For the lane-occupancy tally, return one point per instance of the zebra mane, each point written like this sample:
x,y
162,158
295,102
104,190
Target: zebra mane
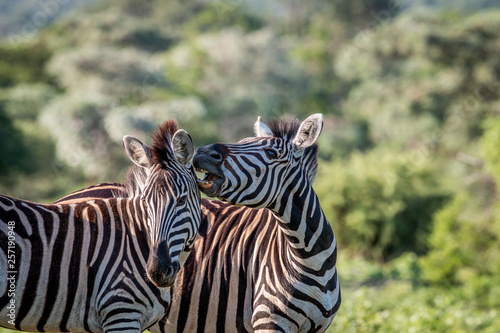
x,y
287,128
284,127
161,149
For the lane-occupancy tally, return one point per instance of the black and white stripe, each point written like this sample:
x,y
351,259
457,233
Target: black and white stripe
x,y
261,270
102,265
248,269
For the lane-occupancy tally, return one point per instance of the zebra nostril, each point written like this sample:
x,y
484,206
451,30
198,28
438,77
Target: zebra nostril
x,y
169,272
216,156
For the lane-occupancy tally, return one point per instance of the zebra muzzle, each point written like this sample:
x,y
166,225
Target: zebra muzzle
x,y
206,183
163,279
161,270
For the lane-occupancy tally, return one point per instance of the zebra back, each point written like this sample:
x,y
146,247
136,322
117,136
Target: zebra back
x,y
104,190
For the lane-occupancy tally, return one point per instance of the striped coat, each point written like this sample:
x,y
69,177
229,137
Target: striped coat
x,y
102,265
244,274
268,270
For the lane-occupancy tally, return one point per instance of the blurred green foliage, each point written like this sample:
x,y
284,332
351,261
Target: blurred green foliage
x,y
409,155
465,240
382,203
23,63
390,299
15,154
489,147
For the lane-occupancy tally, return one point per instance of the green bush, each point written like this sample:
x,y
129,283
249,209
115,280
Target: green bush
x,y
465,239
490,147
238,73
434,85
388,299
396,307
16,155
380,203
23,64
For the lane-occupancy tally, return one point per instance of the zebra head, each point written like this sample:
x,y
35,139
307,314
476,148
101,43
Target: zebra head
x,y
168,197
259,171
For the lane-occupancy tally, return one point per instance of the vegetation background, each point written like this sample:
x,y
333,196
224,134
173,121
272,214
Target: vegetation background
x,y
410,157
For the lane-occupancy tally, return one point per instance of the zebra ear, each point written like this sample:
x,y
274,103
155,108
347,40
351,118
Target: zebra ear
x,y
183,146
309,131
137,151
261,129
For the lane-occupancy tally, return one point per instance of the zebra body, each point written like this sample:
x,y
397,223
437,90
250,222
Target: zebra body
x,y
280,275
102,265
77,267
224,285
200,289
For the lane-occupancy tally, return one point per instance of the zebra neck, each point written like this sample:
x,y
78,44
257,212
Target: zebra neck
x,y
132,213
137,213
303,222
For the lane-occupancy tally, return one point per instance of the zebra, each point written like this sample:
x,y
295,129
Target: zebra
x,y
235,278
268,269
106,264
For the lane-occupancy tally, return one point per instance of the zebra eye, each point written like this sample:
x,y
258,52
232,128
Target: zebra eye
x,y
271,153
181,201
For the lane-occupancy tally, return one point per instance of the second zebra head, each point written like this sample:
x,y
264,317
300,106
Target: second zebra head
x,y
264,170
168,199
